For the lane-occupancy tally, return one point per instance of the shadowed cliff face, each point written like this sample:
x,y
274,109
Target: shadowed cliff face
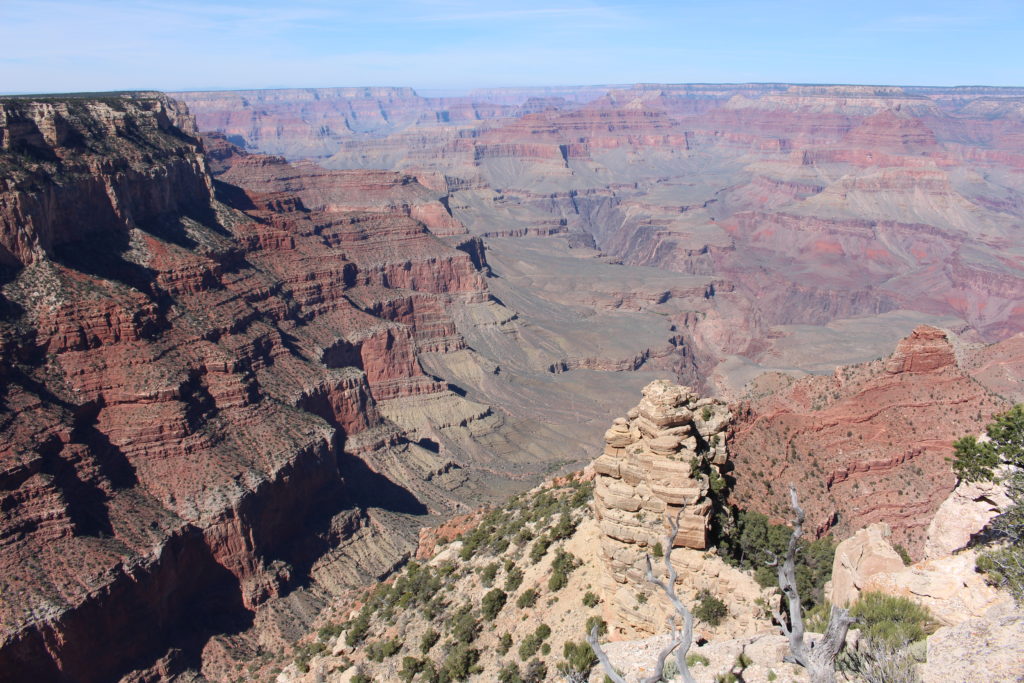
x,y
174,451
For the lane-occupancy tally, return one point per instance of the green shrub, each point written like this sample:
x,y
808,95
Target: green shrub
x,y
492,603
657,551
892,620
429,673
528,647
579,658
532,643
361,677
410,667
539,549
528,598
330,631
488,573
513,579
358,628
602,626
510,674
461,662
564,529
903,553
464,626
306,652
590,599
383,649
563,565
417,584
428,640
695,658
536,672
505,643
709,608
522,536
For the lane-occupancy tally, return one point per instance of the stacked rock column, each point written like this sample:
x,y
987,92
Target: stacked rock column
x,y
649,472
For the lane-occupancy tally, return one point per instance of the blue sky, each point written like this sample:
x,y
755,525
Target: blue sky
x,y
65,45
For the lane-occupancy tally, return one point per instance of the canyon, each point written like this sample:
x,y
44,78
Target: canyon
x,y
782,230
204,355
254,341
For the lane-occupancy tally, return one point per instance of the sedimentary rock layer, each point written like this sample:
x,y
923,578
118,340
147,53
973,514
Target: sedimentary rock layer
x,y
190,418
870,442
656,467
870,207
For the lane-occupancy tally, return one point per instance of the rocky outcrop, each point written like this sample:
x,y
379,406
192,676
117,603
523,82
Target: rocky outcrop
x,y
965,512
949,585
657,465
59,153
651,462
926,349
866,553
988,648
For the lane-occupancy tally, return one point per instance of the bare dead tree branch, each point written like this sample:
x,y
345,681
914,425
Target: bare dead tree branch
x,y
603,657
659,666
819,658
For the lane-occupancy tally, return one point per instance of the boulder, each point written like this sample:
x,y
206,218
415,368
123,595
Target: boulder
x,y
950,587
964,513
864,554
986,648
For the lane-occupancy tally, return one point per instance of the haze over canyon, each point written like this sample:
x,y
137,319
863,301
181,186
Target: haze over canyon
x,y
254,341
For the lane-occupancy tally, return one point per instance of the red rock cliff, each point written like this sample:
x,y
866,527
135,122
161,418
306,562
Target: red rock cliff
x,y
868,443
189,427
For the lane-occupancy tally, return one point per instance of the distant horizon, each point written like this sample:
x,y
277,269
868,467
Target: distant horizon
x,y
62,46
462,92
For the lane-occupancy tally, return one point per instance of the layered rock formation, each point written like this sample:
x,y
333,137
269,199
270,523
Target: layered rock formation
x,y
873,208
868,443
315,122
186,385
651,473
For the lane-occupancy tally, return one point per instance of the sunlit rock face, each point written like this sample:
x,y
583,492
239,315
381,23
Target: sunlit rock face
x,y
654,469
